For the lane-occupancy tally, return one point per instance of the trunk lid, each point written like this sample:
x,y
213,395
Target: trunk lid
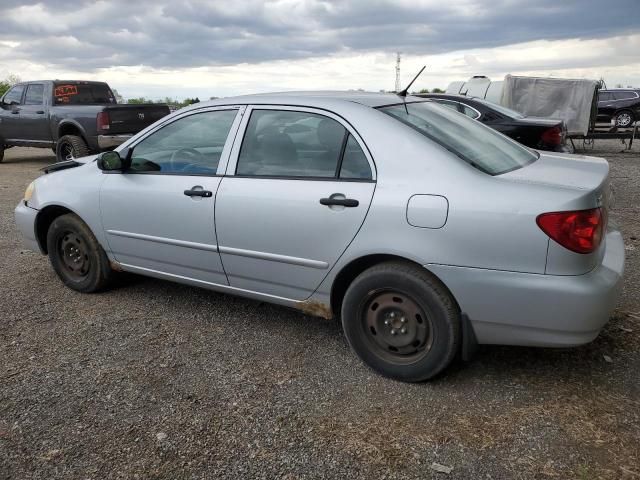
x,y
578,172
567,183
133,118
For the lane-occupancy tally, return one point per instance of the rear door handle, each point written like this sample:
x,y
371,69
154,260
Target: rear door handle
x,y
40,112
198,193
15,112
345,202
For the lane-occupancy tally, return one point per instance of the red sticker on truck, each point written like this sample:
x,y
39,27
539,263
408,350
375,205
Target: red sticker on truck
x,y
64,90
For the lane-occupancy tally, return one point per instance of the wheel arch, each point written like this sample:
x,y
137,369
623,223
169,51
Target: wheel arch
x,y
355,267
70,127
45,218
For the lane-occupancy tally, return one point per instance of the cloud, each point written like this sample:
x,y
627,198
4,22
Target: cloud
x,y
165,34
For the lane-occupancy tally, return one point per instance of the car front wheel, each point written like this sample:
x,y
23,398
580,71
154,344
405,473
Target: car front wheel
x,y
401,321
76,256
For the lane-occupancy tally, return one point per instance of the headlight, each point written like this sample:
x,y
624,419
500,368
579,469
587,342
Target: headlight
x,y
28,193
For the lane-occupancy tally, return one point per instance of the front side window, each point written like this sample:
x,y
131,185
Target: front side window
x,y
189,146
605,96
476,144
35,94
14,95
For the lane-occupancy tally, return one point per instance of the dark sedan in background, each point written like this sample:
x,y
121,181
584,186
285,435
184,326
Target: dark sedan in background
x,y
538,133
620,106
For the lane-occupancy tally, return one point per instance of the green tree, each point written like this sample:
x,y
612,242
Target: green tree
x,y
437,90
8,82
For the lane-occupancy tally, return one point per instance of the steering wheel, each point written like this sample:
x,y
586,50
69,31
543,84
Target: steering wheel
x,y
191,154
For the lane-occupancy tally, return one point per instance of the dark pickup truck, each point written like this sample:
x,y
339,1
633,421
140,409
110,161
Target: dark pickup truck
x,y
74,118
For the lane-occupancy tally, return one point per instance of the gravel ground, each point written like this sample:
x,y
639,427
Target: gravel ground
x,y
154,380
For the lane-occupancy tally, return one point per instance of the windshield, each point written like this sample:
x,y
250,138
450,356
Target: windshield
x,y
476,144
82,94
499,108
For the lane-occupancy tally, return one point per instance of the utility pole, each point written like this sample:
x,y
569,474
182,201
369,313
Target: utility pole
x,y
398,87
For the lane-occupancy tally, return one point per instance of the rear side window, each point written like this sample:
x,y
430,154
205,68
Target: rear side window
x,y
82,94
624,95
282,143
191,145
35,94
476,144
14,95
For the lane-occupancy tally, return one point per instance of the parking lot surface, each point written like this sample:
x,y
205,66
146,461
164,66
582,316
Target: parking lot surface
x,y
155,380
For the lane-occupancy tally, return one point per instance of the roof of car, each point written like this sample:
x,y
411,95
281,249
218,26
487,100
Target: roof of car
x,y
314,98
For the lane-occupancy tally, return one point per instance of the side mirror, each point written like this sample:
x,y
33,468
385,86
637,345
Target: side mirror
x,y
110,161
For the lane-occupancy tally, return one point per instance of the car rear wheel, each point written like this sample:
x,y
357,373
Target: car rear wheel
x,y
70,147
76,255
401,321
624,119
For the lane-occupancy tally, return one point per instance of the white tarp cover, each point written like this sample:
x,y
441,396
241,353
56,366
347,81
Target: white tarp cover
x,y
454,88
569,100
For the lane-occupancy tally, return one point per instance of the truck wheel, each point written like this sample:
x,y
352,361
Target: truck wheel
x,y
76,256
70,147
401,321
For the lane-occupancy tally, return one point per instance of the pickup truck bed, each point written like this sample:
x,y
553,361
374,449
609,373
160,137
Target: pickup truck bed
x,y
75,118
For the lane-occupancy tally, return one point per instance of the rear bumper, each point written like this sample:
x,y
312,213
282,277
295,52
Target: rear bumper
x,y
106,142
26,221
510,308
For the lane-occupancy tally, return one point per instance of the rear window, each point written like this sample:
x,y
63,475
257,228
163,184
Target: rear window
x,y
82,94
476,144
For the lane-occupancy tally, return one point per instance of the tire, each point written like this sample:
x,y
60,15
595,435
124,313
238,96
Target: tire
x,y
70,147
408,300
624,119
1,152
76,256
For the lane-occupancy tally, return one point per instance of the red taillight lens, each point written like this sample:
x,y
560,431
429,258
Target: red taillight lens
x,y
553,136
102,121
579,231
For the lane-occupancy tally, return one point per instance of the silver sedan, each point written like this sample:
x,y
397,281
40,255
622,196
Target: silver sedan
x,y
426,232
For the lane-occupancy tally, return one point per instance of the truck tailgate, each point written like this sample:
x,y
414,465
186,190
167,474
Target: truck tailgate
x,y
133,118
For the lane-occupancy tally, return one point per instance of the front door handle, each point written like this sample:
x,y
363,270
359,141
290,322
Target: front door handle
x,y
40,112
198,193
345,202
15,112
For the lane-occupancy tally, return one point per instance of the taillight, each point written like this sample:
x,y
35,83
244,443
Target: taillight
x,y
553,136
102,121
579,231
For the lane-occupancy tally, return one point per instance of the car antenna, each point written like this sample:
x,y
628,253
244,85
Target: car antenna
x,y
403,93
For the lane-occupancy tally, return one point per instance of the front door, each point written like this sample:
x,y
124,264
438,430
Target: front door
x,y
10,127
158,216
297,191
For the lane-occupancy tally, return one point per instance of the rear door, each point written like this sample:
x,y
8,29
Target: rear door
x,y
297,190
158,216
33,115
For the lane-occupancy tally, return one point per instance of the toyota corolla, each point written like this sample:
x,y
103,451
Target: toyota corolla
x,y
424,231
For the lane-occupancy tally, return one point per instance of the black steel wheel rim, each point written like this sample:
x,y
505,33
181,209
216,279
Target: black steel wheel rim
x,y
397,329
72,250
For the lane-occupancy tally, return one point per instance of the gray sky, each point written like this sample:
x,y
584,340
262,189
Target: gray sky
x,y
205,48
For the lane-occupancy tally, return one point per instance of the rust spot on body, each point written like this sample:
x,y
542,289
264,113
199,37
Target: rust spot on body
x,y
115,266
315,308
